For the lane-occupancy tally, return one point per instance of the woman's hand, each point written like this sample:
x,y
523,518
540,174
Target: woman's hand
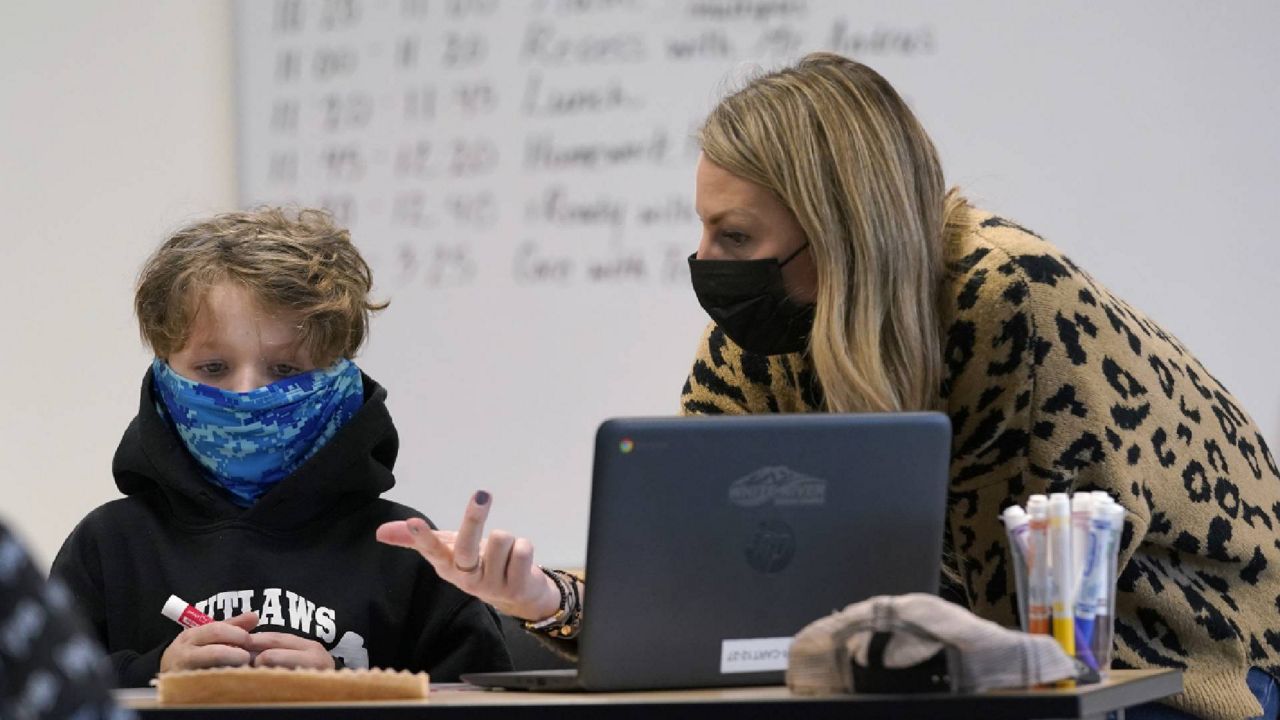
x,y
498,569
274,649
215,644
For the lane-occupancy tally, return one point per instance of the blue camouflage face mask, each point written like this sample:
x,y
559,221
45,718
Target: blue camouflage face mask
x,y
249,441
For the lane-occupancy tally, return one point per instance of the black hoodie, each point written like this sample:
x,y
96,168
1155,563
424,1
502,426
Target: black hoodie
x,y
303,556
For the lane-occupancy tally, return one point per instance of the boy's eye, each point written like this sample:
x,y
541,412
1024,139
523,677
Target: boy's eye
x,y
285,370
212,368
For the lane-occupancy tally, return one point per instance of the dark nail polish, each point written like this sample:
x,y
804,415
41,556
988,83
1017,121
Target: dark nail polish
x,y
482,497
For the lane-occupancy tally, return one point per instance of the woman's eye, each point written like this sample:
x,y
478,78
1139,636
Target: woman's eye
x,y
735,238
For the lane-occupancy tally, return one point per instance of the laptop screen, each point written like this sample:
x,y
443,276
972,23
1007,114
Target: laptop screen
x,y
713,540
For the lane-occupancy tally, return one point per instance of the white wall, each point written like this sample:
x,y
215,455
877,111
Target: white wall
x,y
1102,130
116,124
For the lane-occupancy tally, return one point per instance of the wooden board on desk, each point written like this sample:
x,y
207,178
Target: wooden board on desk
x,y
1124,689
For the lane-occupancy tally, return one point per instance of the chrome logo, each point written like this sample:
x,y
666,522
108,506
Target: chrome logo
x,y
626,446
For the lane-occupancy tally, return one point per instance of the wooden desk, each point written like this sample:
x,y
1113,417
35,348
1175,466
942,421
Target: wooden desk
x,y
1126,688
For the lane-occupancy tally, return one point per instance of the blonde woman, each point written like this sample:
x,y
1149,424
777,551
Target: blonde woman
x,y
842,276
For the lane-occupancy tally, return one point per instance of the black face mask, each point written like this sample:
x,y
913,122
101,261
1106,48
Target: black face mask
x,y
747,299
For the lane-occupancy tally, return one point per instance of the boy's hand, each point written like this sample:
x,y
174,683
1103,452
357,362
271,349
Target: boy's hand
x,y
273,649
216,644
498,569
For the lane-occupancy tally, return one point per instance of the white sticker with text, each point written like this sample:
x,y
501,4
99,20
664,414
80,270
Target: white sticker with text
x,y
754,655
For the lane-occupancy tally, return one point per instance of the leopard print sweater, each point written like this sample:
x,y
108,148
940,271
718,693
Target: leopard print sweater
x,y
1053,384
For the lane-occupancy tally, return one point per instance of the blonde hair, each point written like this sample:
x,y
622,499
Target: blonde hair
x,y
838,146
296,261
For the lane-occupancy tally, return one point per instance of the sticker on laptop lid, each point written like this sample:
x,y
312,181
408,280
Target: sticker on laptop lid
x,y
777,485
751,655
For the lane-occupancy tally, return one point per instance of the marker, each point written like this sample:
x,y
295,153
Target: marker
x,y
1017,525
1081,514
1092,584
1102,509
184,613
1038,572
1063,582
1103,626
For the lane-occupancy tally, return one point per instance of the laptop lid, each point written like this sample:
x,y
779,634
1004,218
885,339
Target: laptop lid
x,y
713,540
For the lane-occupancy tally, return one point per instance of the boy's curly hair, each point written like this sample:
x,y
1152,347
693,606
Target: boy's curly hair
x,y
298,261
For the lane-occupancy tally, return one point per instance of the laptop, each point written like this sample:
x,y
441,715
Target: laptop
x,y
713,540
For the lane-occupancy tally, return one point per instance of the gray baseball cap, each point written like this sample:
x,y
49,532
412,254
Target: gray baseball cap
x,y
919,643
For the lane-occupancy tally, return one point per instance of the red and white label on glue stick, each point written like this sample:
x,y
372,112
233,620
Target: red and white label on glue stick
x,y
184,613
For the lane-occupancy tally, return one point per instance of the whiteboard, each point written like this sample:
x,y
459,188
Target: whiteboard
x,y
520,177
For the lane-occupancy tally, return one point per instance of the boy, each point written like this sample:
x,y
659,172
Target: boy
x,y
252,474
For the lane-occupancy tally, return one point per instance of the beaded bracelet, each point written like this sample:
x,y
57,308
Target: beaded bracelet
x,y
566,621
553,620
572,624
